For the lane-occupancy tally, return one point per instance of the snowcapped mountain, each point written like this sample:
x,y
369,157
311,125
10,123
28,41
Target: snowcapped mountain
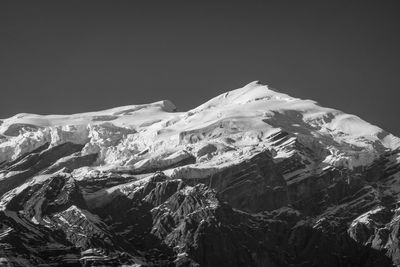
x,y
253,177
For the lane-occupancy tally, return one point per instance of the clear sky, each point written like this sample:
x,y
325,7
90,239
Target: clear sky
x,y
75,56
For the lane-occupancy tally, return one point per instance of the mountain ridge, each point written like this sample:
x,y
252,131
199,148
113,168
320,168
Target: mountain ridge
x,y
255,102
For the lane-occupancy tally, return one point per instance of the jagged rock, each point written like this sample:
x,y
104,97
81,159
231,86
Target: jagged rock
x,y
252,185
32,164
207,149
72,162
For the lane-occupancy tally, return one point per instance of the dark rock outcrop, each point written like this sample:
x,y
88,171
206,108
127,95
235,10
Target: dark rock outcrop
x,y
32,164
252,185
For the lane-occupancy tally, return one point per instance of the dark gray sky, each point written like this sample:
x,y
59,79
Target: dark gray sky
x,y
74,56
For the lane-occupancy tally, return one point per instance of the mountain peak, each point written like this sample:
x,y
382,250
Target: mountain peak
x,y
254,84
167,105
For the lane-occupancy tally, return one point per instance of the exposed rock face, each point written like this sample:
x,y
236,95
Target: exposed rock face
x,y
252,185
31,164
252,177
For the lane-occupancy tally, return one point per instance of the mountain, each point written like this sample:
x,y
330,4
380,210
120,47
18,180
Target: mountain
x,y
253,177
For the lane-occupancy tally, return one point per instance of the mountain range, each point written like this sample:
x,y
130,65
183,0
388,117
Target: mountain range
x,y
252,177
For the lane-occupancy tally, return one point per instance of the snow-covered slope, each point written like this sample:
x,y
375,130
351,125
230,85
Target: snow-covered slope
x,y
237,121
